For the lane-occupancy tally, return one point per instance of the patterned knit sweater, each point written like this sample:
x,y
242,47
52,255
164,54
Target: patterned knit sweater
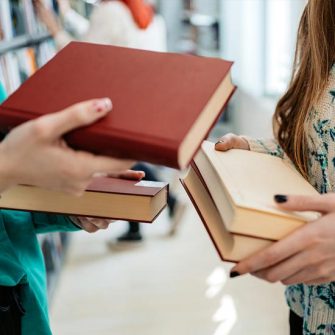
x,y
315,303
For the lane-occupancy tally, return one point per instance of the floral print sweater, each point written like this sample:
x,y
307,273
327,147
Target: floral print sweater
x,y
314,303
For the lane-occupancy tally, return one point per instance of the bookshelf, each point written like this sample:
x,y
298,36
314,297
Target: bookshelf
x,y
25,45
23,41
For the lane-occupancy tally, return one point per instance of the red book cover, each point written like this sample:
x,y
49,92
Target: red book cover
x,y
158,99
124,186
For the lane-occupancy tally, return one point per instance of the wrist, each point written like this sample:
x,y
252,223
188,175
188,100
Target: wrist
x,y
246,145
7,171
75,221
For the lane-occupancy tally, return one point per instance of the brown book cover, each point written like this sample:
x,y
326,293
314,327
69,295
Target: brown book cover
x,y
164,104
113,198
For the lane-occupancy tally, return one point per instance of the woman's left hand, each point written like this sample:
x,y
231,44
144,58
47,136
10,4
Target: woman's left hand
x,y
305,256
91,225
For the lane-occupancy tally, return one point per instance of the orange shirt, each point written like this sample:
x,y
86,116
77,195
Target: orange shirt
x,y
141,11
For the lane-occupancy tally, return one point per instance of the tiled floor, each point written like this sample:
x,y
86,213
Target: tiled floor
x,y
164,286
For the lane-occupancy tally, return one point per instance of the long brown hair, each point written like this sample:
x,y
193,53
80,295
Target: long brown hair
x,y
314,57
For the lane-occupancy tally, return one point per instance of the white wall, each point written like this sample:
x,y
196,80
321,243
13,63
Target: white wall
x,y
242,40
246,38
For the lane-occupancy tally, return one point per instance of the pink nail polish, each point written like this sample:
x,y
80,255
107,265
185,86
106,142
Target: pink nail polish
x,y
103,105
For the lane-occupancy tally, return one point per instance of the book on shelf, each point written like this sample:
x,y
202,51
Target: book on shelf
x,y
230,247
242,184
113,198
6,20
18,22
164,104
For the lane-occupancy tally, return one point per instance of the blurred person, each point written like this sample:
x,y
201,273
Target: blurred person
x,y
126,23
304,127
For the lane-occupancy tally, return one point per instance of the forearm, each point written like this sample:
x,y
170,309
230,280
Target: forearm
x,y
7,172
75,23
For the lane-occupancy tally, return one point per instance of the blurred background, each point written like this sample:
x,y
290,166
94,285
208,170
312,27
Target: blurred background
x,y
164,278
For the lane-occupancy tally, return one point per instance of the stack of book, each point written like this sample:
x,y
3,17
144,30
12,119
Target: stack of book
x,y
233,194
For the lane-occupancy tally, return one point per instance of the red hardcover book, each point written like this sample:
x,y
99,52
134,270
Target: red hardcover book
x,y
106,197
164,104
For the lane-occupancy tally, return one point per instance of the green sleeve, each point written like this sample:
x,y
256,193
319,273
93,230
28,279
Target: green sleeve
x,y
47,223
266,146
3,94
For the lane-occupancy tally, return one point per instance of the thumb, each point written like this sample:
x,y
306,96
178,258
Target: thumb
x,y
78,115
319,203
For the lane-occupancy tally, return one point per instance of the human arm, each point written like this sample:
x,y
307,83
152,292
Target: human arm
x,y
77,24
52,23
74,22
305,256
232,141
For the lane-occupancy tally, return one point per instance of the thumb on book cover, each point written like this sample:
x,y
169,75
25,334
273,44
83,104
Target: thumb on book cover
x,y
75,116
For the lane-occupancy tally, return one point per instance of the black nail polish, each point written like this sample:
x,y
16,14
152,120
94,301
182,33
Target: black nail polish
x,y
280,198
219,142
234,274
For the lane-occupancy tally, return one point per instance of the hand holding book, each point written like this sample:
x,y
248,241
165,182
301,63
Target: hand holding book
x,y
231,141
35,154
305,256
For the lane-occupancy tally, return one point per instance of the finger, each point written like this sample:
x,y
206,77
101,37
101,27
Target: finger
x,y
288,267
99,223
88,226
226,142
231,141
320,203
279,251
108,165
319,281
78,115
312,274
129,174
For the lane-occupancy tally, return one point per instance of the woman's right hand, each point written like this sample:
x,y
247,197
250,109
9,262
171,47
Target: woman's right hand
x,y
34,153
231,141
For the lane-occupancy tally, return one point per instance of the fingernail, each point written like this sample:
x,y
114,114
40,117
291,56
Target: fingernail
x,y
234,274
103,105
218,142
280,198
